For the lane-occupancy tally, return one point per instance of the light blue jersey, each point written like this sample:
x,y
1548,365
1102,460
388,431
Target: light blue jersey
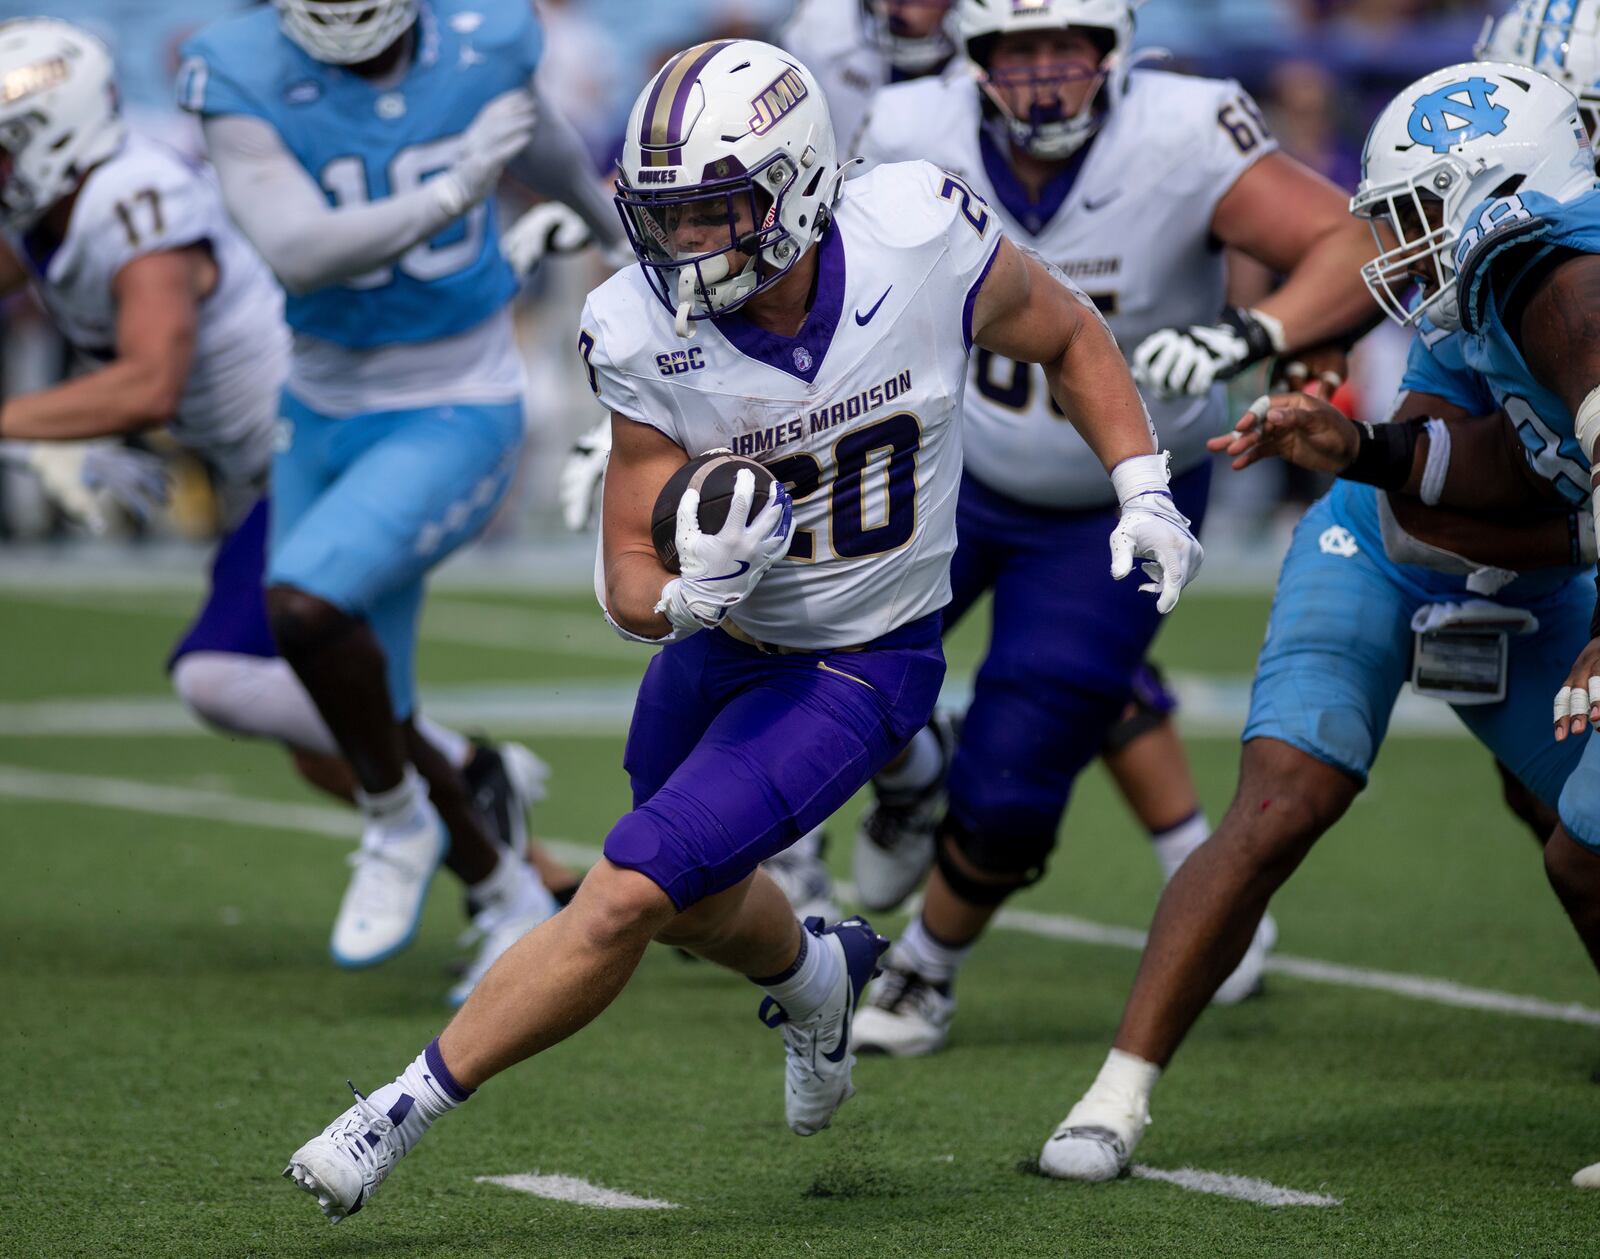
x,y
1510,237
360,142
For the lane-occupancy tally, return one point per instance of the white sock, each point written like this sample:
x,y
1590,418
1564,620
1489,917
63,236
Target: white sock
x,y
421,1093
919,951
1174,844
924,762
453,746
251,695
401,808
1124,1075
806,985
513,887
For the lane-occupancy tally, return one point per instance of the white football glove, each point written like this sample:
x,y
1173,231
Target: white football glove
x,y
1177,361
719,570
548,228
85,478
499,132
1152,527
581,473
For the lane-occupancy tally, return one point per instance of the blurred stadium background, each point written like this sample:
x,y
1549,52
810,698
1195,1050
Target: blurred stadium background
x,y
1320,68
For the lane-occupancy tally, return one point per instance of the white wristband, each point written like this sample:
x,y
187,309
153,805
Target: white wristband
x,y
1141,474
1437,468
1274,329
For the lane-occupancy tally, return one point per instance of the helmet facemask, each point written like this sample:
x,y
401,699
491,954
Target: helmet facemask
x,y
345,32
709,247
1030,97
909,50
1416,278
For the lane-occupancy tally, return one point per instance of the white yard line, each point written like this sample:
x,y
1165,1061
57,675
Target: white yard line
x,y
19,782
1245,1188
572,1189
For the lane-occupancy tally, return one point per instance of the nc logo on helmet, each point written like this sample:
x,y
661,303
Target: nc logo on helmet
x,y
1456,113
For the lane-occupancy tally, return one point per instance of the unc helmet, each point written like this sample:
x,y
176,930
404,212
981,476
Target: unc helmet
x,y
1560,38
733,133
1045,132
1443,146
345,32
58,114
909,54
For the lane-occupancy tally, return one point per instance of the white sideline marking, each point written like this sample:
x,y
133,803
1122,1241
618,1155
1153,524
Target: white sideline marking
x,y
119,793
572,1189
1245,1188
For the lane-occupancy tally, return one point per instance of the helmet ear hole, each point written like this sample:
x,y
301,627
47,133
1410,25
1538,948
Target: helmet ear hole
x,y
1508,187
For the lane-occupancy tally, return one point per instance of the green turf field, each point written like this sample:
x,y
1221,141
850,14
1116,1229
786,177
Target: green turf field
x,y
174,1028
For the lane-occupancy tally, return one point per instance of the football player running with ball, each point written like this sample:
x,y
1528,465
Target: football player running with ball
x,y
1126,179
357,143
1484,175
823,326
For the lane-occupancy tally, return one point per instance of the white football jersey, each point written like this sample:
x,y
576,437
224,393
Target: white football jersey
x,y
859,414
1133,229
148,198
828,38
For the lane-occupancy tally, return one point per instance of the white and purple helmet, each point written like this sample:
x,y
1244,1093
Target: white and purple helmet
x,y
726,125
908,53
58,114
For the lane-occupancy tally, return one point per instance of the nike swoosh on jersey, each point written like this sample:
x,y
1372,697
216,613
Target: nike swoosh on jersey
x,y
863,320
1099,202
744,567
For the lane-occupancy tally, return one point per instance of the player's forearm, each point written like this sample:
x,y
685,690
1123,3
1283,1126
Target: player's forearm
x,y
633,588
123,397
1477,464
308,243
556,164
1091,384
1323,298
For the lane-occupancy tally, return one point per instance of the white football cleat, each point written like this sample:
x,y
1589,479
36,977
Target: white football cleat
x,y
803,876
343,1166
903,1015
1096,1139
1588,1177
1248,976
817,1051
383,904
503,920
894,842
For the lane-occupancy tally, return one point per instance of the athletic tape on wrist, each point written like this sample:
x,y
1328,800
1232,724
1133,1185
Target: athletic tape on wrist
x,y
1141,474
1438,465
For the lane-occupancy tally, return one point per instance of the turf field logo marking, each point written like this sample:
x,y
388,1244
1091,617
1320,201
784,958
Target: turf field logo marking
x,y
1245,1188
576,1190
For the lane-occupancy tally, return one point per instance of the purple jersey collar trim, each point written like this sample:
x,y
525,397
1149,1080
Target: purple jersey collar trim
x,y
972,295
1033,216
800,356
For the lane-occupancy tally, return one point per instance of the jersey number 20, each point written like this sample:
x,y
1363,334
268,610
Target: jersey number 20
x,y
852,537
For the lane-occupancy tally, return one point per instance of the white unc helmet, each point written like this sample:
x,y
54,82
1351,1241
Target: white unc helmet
x,y
736,130
1442,147
1045,132
345,32
1560,38
58,114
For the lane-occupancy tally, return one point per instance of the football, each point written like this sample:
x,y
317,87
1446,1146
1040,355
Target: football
x,y
712,474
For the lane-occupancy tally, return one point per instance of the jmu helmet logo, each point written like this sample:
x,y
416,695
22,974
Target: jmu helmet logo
x,y
775,100
1456,113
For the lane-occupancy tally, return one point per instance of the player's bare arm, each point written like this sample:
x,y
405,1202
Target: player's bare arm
x,y
158,297
1560,337
1024,313
642,461
1285,215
